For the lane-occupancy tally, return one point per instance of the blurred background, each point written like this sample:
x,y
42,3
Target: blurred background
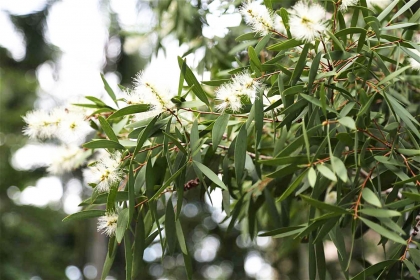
x,y
54,51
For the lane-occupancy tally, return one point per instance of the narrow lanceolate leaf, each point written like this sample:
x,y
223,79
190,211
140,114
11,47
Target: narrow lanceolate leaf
x,y
393,75
109,90
128,256
383,231
121,224
84,215
130,110
240,154
210,174
193,82
314,71
218,129
293,186
373,269
184,249
380,213
322,205
370,197
339,168
170,227
107,129
110,256
312,177
103,144
326,172
412,269
285,45
131,198
283,232
144,135
299,65
347,121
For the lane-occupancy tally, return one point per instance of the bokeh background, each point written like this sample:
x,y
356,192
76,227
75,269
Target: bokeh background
x,y
52,52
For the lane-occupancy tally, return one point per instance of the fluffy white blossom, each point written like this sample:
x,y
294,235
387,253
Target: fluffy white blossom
x,y
414,63
108,224
345,3
307,21
242,86
66,159
150,88
68,124
379,3
258,16
105,172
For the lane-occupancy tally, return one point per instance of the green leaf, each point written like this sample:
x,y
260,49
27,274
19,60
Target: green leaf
x,y
339,168
103,144
110,256
240,154
336,41
415,255
321,205
373,269
370,197
347,121
383,231
380,213
109,90
393,75
218,129
412,268
283,232
122,224
130,185
254,57
262,43
210,174
285,45
299,65
314,70
388,9
84,215
409,152
326,172
293,186
107,129
312,177
184,249
193,82
246,37
128,256
129,110
139,246
176,142
170,227
216,83
144,135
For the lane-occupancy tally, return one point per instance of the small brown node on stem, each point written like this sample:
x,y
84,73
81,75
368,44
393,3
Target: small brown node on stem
x,y
191,184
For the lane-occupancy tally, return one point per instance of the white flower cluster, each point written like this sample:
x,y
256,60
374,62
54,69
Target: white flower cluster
x,y
307,21
108,223
231,94
261,19
105,172
68,124
66,159
150,89
379,3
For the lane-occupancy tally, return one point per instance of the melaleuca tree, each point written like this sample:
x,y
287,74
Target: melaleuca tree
x,y
315,134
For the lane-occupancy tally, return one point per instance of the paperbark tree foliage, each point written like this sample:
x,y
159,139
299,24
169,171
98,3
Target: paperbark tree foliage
x,y
316,134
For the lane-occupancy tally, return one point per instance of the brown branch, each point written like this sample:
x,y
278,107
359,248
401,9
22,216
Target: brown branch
x,y
410,239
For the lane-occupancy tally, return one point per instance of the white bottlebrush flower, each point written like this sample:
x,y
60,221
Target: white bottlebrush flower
x,y
345,3
73,127
258,16
152,90
105,172
414,63
231,94
307,21
39,125
331,197
66,159
378,3
108,224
